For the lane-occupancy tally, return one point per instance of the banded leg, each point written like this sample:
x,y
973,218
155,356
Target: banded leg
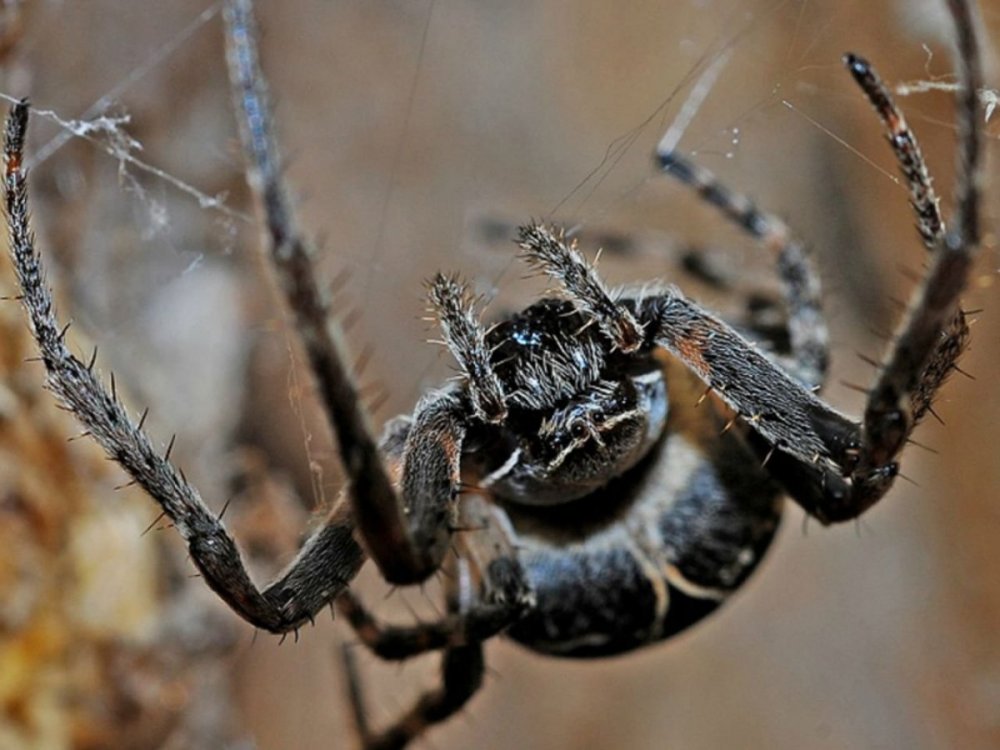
x,y
905,147
408,543
955,331
809,338
934,332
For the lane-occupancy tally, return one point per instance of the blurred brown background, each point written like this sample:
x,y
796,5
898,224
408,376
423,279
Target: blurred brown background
x,y
406,125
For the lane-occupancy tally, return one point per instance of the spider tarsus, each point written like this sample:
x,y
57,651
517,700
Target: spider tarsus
x,y
858,65
909,157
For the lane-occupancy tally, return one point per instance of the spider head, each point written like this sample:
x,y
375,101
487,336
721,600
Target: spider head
x,y
567,452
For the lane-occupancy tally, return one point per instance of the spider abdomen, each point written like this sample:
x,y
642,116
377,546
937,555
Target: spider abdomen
x,y
656,550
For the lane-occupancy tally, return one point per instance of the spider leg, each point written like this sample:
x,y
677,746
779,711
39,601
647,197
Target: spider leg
x,y
834,467
930,224
407,539
471,618
552,254
784,412
327,562
398,643
934,332
462,671
332,557
465,337
903,142
762,393
837,469
506,594
809,338
506,599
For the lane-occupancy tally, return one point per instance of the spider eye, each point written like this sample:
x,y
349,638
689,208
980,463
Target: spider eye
x,y
578,430
598,416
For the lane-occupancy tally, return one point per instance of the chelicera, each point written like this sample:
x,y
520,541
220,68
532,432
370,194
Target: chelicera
x,y
611,464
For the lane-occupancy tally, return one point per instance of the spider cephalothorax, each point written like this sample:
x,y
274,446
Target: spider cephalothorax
x,y
584,398
624,455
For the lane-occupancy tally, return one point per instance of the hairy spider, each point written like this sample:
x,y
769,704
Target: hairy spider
x,y
612,464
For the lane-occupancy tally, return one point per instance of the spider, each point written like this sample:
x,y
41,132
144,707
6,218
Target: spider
x,y
612,464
